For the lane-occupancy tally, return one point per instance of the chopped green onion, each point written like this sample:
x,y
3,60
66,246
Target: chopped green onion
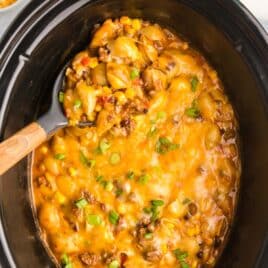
x,y
115,158
113,217
109,186
60,156
94,219
135,73
81,203
148,236
164,145
65,261
61,97
143,179
184,264
192,112
155,213
186,201
114,264
153,130
130,175
85,161
99,178
92,162
161,115
157,203
181,257
118,192
77,104
104,146
104,183
147,210
194,83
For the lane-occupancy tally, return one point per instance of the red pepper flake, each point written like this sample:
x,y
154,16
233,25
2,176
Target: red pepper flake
x,y
85,61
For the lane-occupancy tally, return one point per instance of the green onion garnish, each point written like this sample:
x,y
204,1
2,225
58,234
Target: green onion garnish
x,y
118,192
65,261
104,146
60,156
113,217
94,219
192,112
135,73
85,161
157,203
99,178
81,203
109,186
164,145
77,104
148,236
194,83
181,257
130,175
61,97
153,130
143,179
115,158
186,201
114,264
161,115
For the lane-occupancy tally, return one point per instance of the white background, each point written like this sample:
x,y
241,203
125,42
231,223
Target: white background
x,y
258,7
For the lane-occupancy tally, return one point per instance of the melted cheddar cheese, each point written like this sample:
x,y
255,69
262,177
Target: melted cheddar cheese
x,y
154,183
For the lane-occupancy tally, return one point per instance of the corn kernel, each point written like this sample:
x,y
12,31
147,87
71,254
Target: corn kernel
x,y
136,24
93,62
60,197
193,231
130,93
164,248
73,171
194,264
130,30
122,209
121,98
170,226
44,149
125,20
92,116
107,90
98,108
72,122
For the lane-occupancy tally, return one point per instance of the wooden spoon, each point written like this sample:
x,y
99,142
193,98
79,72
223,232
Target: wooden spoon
x,y
26,140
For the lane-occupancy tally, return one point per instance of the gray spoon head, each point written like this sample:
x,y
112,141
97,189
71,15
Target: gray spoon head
x,y
55,119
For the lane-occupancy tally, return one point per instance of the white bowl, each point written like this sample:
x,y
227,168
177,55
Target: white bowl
x,y
11,7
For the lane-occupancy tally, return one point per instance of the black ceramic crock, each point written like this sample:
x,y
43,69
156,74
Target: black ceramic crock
x,y
49,32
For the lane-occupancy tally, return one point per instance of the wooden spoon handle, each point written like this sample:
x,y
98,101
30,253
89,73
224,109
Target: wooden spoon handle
x,y
19,145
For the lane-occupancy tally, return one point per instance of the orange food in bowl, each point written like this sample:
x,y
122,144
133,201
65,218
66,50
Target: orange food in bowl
x,y
154,183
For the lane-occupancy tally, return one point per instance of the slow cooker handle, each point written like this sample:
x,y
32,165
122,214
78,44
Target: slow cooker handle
x,y
19,145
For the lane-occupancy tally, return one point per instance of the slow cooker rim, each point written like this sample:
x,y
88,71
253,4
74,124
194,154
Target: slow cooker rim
x,y
15,35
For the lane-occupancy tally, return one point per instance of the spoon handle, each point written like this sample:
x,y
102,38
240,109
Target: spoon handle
x,y
20,144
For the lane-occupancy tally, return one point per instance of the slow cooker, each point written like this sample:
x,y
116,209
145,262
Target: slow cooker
x,y
48,33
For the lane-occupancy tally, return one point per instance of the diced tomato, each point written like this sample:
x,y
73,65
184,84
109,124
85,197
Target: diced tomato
x,y
85,61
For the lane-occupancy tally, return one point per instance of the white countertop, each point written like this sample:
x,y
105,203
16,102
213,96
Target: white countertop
x,y
258,7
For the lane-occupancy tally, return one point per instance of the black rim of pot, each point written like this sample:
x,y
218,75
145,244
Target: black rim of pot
x,y
256,35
